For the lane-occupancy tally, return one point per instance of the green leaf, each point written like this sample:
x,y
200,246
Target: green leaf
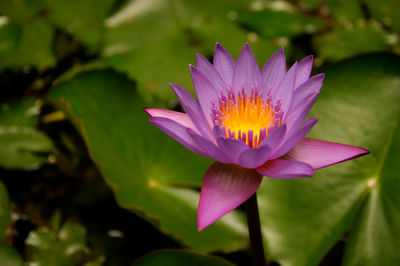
x,y
272,23
82,19
379,213
342,42
26,43
149,172
21,10
303,219
153,41
9,256
65,245
341,10
23,113
385,10
22,146
5,215
178,257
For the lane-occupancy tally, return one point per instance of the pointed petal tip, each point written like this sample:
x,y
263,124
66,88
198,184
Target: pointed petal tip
x,y
280,52
320,154
146,109
201,225
361,152
219,46
308,58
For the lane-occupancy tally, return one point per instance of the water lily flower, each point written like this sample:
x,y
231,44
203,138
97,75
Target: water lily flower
x,y
251,123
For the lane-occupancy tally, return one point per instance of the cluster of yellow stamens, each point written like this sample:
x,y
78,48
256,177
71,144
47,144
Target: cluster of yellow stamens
x,y
249,118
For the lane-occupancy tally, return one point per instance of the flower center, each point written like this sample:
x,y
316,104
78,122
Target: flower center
x,y
247,118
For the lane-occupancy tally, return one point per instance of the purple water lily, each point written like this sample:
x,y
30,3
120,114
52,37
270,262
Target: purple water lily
x,y
251,123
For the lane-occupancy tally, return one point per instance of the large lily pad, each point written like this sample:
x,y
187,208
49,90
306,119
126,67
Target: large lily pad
x,y
82,19
26,44
303,219
344,42
272,23
153,41
149,172
178,257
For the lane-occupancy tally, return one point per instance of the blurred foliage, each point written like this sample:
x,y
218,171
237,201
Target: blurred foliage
x,y
59,245
97,63
9,256
5,215
22,146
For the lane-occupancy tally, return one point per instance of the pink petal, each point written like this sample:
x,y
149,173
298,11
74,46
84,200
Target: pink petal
x,y
180,118
285,169
224,63
178,132
304,70
193,110
319,154
209,148
247,73
225,187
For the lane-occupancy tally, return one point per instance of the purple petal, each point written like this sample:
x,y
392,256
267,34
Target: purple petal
x,y
232,148
304,70
247,73
297,115
193,110
177,132
209,71
303,100
292,140
225,187
208,147
307,89
180,118
224,64
206,93
275,138
274,70
284,92
285,169
254,157
319,154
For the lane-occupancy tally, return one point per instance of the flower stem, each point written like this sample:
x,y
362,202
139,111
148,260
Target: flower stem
x,y
253,222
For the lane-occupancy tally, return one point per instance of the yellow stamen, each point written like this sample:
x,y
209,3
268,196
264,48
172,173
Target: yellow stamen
x,y
251,116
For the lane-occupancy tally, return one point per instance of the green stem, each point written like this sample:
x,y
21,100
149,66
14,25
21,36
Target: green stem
x,y
253,222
